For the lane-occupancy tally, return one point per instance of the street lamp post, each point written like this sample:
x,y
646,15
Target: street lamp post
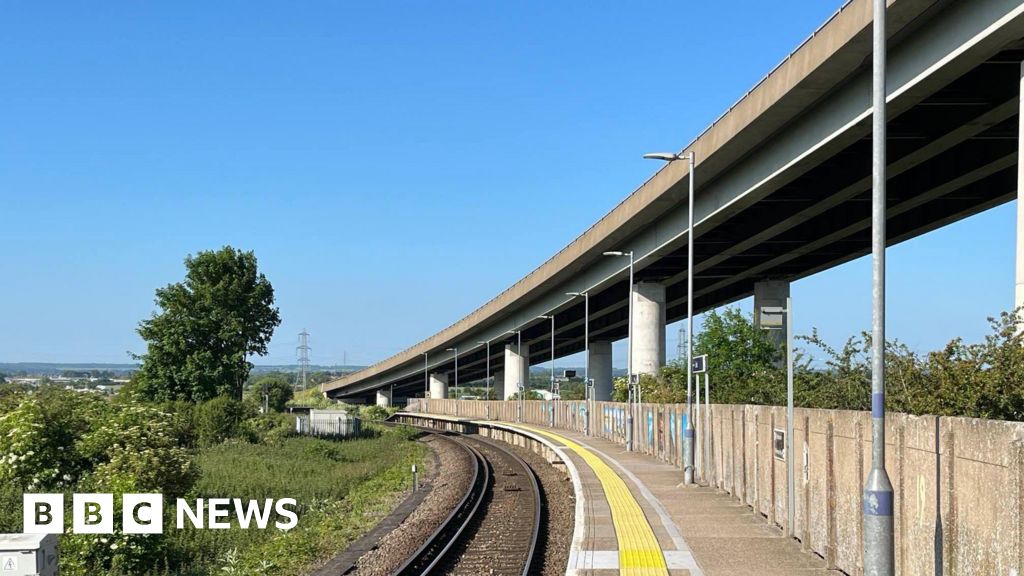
x,y
456,350
586,352
551,414
629,353
879,540
688,434
520,386
426,375
487,378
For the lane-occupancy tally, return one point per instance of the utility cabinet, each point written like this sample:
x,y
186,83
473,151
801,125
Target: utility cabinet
x,y
28,555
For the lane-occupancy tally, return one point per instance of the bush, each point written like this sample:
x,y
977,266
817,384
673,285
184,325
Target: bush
x,y
220,419
277,388
375,412
269,428
63,441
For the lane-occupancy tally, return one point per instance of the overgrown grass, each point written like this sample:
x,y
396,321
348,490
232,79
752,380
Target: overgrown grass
x,y
342,487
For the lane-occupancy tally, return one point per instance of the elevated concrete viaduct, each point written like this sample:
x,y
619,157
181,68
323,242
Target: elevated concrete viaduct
x,y
782,192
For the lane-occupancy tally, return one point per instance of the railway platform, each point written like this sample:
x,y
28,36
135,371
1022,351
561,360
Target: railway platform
x,y
637,518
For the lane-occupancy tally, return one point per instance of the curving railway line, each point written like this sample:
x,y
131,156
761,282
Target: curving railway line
x,y
488,532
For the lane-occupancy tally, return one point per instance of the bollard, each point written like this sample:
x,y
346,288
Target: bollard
x,y
415,481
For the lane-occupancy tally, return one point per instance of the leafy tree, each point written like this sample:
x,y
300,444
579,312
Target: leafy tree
x,y
206,328
278,389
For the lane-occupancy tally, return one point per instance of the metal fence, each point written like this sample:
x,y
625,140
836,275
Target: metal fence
x,y
328,423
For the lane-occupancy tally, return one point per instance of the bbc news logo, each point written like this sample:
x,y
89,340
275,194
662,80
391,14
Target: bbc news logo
x,y
144,513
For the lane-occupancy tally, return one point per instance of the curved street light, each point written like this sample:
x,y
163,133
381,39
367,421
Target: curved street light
x,y
689,433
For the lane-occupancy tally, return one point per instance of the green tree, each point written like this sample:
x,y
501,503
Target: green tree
x,y
277,387
198,344
741,360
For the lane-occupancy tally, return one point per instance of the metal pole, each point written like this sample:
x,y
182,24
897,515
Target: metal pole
x,y
426,375
519,370
879,555
456,373
689,432
698,432
1018,302
707,426
790,417
586,361
629,363
551,417
487,375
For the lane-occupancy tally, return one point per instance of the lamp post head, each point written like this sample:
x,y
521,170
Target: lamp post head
x,y
456,350
574,294
664,156
614,253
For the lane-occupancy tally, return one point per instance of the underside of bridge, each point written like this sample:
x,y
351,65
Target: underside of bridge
x,y
952,153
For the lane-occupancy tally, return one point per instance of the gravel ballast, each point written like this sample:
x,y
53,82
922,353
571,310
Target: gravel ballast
x,y
449,485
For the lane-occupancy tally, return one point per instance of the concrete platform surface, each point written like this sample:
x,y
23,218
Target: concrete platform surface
x,y
700,530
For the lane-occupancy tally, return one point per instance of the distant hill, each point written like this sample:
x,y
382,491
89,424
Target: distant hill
x,y
57,368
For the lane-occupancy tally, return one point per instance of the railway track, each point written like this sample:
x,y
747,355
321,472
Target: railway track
x,y
488,532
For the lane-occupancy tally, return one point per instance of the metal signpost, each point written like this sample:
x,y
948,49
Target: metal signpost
x,y
589,395
778,318
699,366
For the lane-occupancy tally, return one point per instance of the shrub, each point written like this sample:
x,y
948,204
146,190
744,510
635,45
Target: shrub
x,y
219,419
270,428
375,412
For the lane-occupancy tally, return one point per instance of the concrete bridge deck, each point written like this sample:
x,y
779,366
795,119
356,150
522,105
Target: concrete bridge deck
x,y
632,500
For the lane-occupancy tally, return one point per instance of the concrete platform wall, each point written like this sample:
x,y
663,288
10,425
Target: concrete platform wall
x,y
959,482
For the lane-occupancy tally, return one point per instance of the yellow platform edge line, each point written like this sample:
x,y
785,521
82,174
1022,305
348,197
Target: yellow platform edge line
x,y
639,551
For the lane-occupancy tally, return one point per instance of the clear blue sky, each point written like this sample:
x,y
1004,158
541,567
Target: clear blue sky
x,y
393,165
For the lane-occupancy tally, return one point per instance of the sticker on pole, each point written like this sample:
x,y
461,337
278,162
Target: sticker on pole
x,y
9,563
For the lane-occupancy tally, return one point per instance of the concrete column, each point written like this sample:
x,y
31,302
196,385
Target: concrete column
x,y
1019,297
498,385
648,341
384,397
517,369
438,386
601,370
771,294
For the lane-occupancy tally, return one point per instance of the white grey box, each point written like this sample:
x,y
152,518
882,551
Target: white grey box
x,y
28,555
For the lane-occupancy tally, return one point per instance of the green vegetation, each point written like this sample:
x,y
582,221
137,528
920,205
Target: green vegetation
x,y
983,380
55,440
277,388
209,324
183,429
312,398
346,488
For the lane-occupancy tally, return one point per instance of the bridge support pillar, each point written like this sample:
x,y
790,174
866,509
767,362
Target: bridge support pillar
x,y
384,398
772,293
648,341
1019,295
438,386
517,369
601,370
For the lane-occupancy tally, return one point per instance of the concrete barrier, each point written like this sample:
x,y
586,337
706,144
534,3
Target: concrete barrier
x,y
959,482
